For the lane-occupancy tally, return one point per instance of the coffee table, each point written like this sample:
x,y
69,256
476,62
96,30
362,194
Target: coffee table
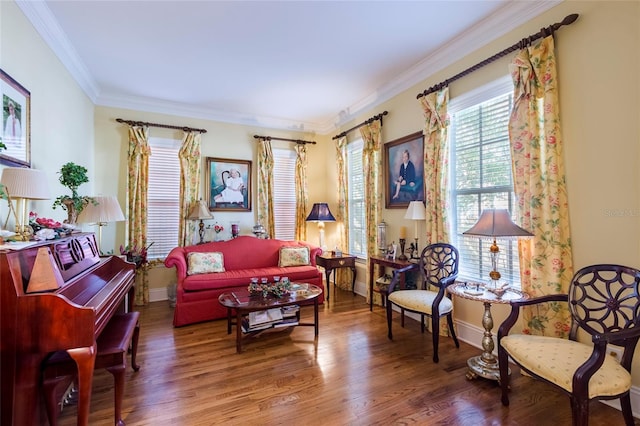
x,y
242,302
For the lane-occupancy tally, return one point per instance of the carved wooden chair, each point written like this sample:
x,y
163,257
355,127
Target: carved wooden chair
x,y
604,302
438,269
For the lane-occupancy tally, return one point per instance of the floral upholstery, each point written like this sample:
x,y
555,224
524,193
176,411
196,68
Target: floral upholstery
x,y
556,360
204,263
293,256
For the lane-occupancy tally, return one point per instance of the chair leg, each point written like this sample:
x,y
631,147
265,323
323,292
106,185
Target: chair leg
x,y
389,313
580,411
451,330
422,323
402,317
503,365
625,403
435,333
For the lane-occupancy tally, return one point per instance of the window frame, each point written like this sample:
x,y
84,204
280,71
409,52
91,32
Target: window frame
x,y
355,147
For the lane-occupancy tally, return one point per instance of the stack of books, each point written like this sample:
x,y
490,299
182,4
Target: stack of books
x,y
271,318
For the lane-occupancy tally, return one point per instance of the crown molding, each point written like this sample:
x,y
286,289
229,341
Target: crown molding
x,y
40,16
508,18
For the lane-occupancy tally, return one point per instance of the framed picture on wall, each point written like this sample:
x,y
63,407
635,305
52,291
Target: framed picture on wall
x,y
404,171
15,148
228,184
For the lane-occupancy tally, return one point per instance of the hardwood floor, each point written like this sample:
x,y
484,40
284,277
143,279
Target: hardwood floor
x,y
353,375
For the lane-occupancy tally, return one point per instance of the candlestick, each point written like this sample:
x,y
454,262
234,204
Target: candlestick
x,y
402,255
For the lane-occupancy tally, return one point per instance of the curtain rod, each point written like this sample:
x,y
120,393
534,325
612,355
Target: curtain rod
x,y
271,138
164,126
569,19
369,121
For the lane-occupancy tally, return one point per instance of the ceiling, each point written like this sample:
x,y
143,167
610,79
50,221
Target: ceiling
x,y
297,65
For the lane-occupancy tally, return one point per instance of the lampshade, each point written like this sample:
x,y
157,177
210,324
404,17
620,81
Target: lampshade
x,y
320,213
415,211
106,210
25,183
200,211
496,223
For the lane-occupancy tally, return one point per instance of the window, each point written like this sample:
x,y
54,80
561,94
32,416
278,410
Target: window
x,y
355,180
284,193
163,210
481,177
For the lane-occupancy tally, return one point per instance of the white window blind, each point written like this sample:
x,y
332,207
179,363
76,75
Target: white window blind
x,y
284,193
163,197
482,179
355,179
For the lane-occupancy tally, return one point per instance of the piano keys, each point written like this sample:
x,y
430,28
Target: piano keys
x,y
55,296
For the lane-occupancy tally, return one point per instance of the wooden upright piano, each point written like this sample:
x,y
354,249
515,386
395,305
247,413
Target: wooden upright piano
x,y
55,296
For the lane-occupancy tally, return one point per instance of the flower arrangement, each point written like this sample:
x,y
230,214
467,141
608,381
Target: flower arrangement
x,y
218,228
135,254
278,288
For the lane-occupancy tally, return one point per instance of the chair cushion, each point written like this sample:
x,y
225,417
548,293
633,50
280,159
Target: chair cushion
x,y
556,360
420,301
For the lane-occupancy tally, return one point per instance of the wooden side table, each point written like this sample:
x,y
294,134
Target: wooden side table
x,y
384,262
329,261
485,365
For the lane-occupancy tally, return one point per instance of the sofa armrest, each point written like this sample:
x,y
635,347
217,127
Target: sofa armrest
x,y
178,258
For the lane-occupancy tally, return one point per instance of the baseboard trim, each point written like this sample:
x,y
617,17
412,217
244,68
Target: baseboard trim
x,y
472,335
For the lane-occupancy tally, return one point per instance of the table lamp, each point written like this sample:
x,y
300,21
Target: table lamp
x,y
416,212
22,184
496,223
320,213
107,209
200,212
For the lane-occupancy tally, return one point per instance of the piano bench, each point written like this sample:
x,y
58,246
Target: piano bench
x,y
121,332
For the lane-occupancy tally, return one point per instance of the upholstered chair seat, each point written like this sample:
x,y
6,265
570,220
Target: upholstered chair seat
x,y
556,361
420,301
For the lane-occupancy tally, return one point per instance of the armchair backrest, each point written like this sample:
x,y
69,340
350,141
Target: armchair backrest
x,y
604,299
439,265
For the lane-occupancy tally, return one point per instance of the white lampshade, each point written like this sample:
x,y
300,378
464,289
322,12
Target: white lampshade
x,y
496,223
106,210
415,211
200,211
25,183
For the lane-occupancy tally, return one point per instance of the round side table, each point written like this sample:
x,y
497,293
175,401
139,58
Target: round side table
x,y
486,364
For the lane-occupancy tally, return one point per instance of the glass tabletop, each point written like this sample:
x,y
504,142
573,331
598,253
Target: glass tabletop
x,y
242,299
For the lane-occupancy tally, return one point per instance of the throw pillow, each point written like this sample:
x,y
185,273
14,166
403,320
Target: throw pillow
x,y
204,263
293,256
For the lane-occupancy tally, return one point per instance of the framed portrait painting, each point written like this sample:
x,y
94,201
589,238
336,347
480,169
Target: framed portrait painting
x,y
404,171
228,184
15,149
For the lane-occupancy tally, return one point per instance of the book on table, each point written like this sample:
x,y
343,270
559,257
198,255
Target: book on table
x,y
271,318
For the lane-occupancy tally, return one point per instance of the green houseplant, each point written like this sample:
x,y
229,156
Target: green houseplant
x,y
72,176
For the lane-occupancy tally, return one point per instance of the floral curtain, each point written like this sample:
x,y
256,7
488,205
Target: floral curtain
x,y
536,149
265,187
436,165
371,160
343,276
302,198
190,170
138,182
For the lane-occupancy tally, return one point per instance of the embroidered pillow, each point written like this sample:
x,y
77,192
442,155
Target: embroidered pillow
x,y
293,256
204,263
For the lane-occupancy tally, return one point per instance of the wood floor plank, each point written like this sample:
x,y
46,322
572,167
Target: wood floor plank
x,y
352,375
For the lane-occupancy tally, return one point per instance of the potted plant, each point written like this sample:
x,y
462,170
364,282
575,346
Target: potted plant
x,y
72,176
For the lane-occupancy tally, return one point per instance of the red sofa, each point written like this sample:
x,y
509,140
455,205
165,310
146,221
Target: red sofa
x,y
245,257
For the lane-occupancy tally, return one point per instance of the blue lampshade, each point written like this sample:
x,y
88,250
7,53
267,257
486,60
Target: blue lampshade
x,y
320,213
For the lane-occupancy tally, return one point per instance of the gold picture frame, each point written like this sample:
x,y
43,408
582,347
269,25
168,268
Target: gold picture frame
x,y
16,122
228,184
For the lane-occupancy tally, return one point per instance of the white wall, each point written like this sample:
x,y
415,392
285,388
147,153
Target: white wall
x,y
61,114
